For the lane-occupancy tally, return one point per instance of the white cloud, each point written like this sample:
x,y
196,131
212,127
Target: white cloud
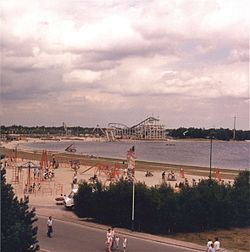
x,y
109,55
82,76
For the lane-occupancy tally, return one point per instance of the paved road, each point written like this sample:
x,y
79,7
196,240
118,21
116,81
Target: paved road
x,y
71,237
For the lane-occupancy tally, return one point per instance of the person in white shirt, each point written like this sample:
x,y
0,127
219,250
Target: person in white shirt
x,y
117,239
216,244
109,240
49,225
124,244
209,242
211,248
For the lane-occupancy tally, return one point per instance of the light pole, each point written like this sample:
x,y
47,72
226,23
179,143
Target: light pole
x,y
210,163
133,208
131,176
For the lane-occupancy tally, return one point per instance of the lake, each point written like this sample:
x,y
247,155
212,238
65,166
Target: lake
x,y
230,155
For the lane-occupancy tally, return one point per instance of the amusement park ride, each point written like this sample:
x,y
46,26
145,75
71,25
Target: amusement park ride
x,y
148,129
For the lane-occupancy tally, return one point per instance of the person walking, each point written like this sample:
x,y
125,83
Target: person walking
x,y
211,248
163,177
117,239
109,240
216,244
113,237
49,225
209,242
124,244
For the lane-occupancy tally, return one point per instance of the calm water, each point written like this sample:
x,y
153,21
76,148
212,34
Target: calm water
x,y
232,155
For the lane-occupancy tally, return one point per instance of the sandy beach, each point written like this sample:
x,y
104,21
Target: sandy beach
x,y
62,181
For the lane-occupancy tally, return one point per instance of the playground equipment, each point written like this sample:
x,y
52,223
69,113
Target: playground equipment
x,y
11,161
89,168
44,163
46,169
16,173
28,165
112,172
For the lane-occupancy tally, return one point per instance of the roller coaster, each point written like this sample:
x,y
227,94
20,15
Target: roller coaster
x,y
148,129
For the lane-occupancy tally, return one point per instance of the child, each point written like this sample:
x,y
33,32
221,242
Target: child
x,y
117,239
124,244
209,242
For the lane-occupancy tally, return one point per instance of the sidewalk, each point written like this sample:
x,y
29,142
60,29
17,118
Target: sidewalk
x,y
58,212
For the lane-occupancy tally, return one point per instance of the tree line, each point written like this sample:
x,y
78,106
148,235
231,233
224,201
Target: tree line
x,y
160,209
179,133
43,130
220,134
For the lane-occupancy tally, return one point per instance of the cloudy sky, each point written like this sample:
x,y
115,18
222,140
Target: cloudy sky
x,y
89,62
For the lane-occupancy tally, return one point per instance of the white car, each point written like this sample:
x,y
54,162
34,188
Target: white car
x,y
69,200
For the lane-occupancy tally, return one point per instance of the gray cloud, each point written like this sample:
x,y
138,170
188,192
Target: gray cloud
x,y
93,62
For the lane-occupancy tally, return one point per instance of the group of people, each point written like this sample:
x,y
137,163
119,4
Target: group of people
x,y
148,174
113,241
32,188
213,246
171,176
48,174
93,179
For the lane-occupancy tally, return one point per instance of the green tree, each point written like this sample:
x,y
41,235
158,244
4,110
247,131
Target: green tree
x,y
167,209
17,231
119,199
146,202
84,200
240,198
159,209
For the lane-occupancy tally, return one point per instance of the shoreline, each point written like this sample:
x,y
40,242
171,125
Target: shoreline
x,y
10,149
14,143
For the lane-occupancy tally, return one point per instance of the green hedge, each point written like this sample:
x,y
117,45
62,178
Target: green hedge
x,y
159,209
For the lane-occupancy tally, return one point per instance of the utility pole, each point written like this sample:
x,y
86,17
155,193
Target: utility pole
x,y
131,176
133,208
234,131
210,163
